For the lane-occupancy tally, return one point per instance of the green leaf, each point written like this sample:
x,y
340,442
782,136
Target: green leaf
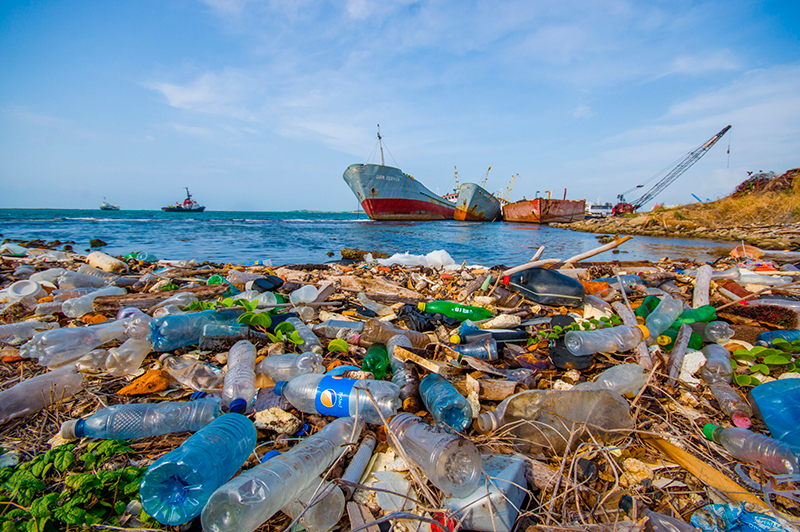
x,y
17,513
64,460
131,487
586,326
758,349
340,346
83,482
227,302
552,336
283,326
43,506
272,338
782,344
39,468
743,380
759,368
89,459
557,329
742,354
9,526
119,507
71,516
777,360
295,338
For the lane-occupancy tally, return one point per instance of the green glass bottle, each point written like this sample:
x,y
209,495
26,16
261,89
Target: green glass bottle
x,y
455,310
667,339
376,361
705,313
648,305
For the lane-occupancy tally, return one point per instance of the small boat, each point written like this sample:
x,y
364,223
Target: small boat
x,y
388,193
106,206
474,203
545,210
188,205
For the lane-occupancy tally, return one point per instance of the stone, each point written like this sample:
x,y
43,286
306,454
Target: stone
x,y
277,420
96,243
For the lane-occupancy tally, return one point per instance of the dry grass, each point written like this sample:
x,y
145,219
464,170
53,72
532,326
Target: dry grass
x,y
778,207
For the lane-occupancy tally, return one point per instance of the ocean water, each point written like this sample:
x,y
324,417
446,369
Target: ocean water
x,y
307,237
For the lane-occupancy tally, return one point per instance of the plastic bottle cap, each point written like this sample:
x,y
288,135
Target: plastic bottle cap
x,y
708,431
455,339
645,331
68,429
238,406
279,388
197,395
506,280
664,340
421,306
272,454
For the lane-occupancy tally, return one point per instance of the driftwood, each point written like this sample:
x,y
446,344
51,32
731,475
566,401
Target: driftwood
x,y
597,251
111,304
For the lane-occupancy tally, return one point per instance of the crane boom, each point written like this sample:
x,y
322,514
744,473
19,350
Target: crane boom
x,y
692,157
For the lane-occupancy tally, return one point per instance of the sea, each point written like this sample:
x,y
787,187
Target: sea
x,y
295,237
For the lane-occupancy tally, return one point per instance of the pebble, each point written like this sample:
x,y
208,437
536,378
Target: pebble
x,y
277,420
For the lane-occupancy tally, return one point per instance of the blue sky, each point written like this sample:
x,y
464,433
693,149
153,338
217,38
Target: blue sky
x,y
262,104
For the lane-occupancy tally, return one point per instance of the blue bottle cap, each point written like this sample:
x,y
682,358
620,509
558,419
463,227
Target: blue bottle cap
x,y
271,454
303,430
197,395
238,406
279,388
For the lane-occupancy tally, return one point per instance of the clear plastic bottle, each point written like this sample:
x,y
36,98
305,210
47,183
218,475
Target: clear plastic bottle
x,y
140,420
718,373
181,300
544,420
266,300
87,269
663,317
630,283
36,393
250,499
404,375
776,302
16,333
456,310
334,396
774,455
92,362
237,277
451,462
219,337
468,332
48,308
374,306
77,307
127,358
718,332
702,285
287,367
172,332
376,361
778,405
625,379
310,340
239,387
192,373
138,323
146,256
177,486
70,279
482,349
347,330
144,281
61,295
748,277
50,275
615,339
358,464
305,294
445,404
380,332
60,346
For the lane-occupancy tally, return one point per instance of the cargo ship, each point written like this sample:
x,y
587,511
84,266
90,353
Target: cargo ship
x,y
188,205
474,203
388,193
545,210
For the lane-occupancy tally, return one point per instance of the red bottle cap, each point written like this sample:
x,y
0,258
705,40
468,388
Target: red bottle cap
x,y
506,280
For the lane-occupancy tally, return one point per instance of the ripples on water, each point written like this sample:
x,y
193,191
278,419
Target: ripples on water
x,y
296,237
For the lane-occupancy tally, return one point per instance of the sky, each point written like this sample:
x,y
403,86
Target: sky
x,y
262,104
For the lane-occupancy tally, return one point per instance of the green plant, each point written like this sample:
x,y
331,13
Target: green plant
x,y
764,360
588,325
57,490
338,345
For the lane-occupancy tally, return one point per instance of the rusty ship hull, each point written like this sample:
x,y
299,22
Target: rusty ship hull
x,y
544,211
474,203
387,193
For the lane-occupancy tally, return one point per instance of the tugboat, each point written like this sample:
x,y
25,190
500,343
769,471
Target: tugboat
x,y
188,205
106,206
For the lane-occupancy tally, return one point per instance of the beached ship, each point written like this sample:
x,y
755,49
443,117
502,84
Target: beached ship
x,y
106,206
545,210
474,203
387,193
188,205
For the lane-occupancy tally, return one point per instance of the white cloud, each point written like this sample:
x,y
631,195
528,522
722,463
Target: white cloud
x,y
583,111
706,63
194,131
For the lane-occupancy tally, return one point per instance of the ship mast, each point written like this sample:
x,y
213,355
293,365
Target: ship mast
x,y
383,163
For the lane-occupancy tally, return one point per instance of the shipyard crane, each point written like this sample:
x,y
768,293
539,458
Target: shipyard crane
x,y
684,164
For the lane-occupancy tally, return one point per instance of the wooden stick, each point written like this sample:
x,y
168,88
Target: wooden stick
x,y
597,251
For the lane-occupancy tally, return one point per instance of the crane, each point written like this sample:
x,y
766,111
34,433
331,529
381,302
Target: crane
x,y
684,164
505,196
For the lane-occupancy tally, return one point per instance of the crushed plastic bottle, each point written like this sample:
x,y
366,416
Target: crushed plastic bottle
x,y
127,358
140,420
287,367
451,462
773,455
663,317
718,332
404,375
630,283
311,342
70,279
445,404
239,387
307,294
346,330
334,396
60,346
250,499
36,393
374,306
376,361
625,379
77,307
482,349
16,333
172,332
718,373
380,332
138,322
61,295
178,485
192,373
614,339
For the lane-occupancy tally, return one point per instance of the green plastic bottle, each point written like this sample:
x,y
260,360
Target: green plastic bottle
x,y
705,313
454,310
648,305
376,360
667,339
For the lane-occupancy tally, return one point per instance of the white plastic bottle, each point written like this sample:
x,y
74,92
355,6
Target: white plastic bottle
x,y
127,358
305,294
287,367
340,397
239,387
59,346
310,340
38,392
247,501
615,339
77,307
717,332
15,333
625,379
70,279
662,317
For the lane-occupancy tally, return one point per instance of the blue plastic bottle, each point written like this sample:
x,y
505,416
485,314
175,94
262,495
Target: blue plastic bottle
x,y
778,405
446,405
177,486
179,330
767,338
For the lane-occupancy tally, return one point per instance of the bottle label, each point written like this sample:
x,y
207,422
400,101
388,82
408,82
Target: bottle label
x,y
333,396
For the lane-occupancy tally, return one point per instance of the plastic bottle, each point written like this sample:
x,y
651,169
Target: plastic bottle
x,y
144,281
47,309
267,283
451,462
374,306
181,299
657,522
305,294
546,287
87,269
70,279
445,404
775,456
177,486
138,323
775,302
311,342
334,396
77,307
105,262
667,339
778,405
647,306
501,336
140,420
376,360
630,283
625,379
287,367
266,300
615,339
50,275
172,332
250,499
237,277
16,333
696,315
482,349
191,372
548,417
718,332
146,256
767,338
358,464
127,358
92,362
346,330
663,317
748,277
455,310
36,393
404,375
718,373
62,294
60,346
380,332
239,387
